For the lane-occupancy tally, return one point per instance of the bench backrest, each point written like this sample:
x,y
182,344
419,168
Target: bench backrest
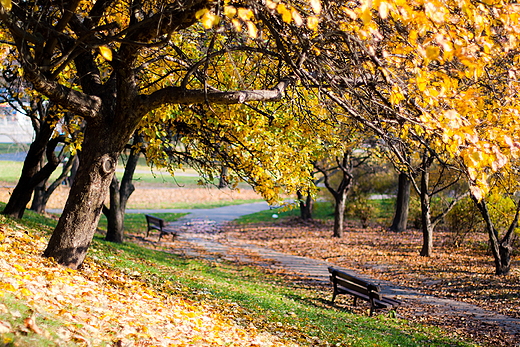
x,y
154,221
353,283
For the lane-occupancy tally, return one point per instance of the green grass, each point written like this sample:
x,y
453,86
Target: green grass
x,y
323,210
136,223
189,205
10,171
290,309
293,310
163,179
18,311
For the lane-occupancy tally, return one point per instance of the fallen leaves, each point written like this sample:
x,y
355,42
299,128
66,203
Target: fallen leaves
x,y
30,323
463,273
99,305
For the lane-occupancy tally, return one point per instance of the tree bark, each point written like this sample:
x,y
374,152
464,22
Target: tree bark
x,y
42,193
305,206
344,166
72,236
32,172
427,226
119,195
224,177
501,249
402,204
339,213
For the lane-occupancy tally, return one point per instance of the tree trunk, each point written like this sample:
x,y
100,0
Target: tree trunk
x,y
42,193
427,226
305,206
32,172
339,213
115,216
38,204
119,195
72,236
224,177
402,204
502,250
73,170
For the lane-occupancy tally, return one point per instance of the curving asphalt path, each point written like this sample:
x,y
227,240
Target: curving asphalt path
x,y
190,228
218,215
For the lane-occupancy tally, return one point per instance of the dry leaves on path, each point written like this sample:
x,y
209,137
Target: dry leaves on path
x,y
459,273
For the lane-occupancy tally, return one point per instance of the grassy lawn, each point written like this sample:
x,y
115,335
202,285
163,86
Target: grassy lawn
x,y
190,205
273,303
136,223
10,173
324,210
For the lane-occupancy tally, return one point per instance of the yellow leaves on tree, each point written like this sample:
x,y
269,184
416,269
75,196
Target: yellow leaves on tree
x,y
448,61
106,52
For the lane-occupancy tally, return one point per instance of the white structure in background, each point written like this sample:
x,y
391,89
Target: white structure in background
x,y
14,126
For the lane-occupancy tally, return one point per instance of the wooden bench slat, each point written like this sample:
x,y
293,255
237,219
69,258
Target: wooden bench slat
x,y
155,223
352,286
345,283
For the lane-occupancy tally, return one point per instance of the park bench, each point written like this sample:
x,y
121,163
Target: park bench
x,y
155,223
346,284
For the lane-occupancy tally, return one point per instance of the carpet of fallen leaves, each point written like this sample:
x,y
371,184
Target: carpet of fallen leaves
x,y
162,197
464,273
99,305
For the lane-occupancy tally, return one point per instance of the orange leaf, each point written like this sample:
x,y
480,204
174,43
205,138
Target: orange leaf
x,y
106,52
30,323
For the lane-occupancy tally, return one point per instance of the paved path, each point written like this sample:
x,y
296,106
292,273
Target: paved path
x,y
194,229
217,215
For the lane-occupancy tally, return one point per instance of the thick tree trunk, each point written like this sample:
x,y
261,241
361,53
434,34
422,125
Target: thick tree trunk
x,y
402,204
119,195
305,206
339,213
427,226
72,236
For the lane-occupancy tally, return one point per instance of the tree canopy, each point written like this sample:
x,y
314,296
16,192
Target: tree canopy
x,y
441,74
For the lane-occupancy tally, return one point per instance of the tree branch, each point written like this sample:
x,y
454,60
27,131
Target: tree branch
x,y
178,95
79,103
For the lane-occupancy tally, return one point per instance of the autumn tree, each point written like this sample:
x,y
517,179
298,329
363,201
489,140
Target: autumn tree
x,y
113,64
501,241
397,69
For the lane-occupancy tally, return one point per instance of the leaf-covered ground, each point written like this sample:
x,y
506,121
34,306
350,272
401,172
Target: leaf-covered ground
x,y
464,273
98,305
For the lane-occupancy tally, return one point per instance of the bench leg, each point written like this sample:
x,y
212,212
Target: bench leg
x,y
355,300
333,297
